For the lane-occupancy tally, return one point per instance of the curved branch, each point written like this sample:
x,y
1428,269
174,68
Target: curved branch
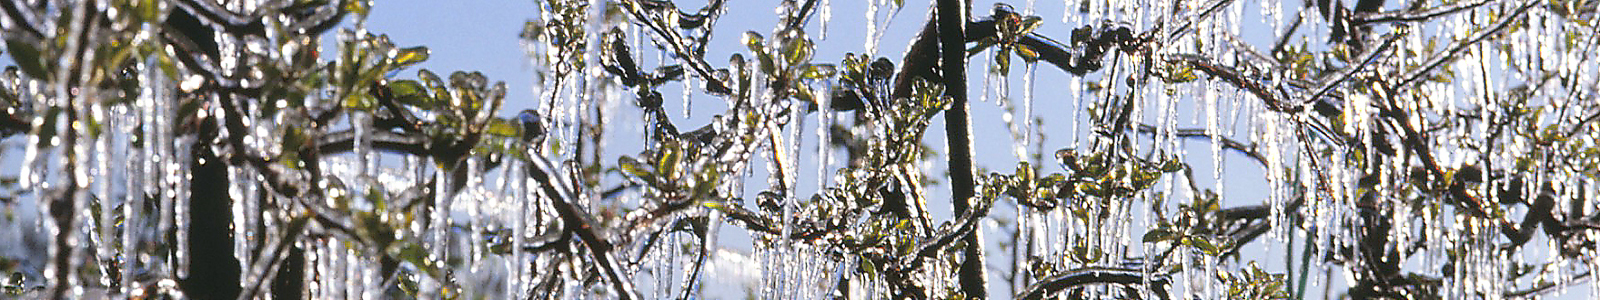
x,y
1418,15
1091,276
1231,76
1227,143
964,227
1462,45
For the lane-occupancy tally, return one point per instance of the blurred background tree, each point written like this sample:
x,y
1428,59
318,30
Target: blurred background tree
x,y
278,149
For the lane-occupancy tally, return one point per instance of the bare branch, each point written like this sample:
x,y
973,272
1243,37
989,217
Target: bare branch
x,y
1233,77
1091,276
1418,15
1351,71
1227,143
1455,50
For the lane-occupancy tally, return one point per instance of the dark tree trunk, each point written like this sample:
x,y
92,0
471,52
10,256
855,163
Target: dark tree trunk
x,y
213,270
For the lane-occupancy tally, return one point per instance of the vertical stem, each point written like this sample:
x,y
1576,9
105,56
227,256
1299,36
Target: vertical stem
x,y
62,270
952,18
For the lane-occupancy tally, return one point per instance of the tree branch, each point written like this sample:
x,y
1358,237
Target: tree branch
x,y
1231,76
1227,143
673,39
344,141
584,225
1462,45
1351,71
962,228
1418,15
1093,275
952,20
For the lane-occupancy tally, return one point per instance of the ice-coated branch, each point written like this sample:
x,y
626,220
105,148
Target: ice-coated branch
x,y
1273,100
233,120
1461,46
952,21
673,39
1093,276
1419,15
962,228
561,195
344,141
1547,286
1350,71
1227,143
1181,30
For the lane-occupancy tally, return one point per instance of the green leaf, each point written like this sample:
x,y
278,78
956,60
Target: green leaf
x,y
1085,254
1205,245
799,50
1027,54
634,168
359,7
27,57
755,42
503,128
360,102
818,71
409,56
1179,74
1172,165
411,92
668,164
1159,235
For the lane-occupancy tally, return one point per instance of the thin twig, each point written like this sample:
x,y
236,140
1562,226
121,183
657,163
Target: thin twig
x,y
1231,76
1227,143
1351,71
1461,46
1419,15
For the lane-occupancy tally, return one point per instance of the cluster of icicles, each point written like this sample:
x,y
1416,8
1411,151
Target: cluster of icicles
x,y
137,171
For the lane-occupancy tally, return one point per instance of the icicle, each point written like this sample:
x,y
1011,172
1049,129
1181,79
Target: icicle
x,y
101,181
688,92
132,199
824,134
181,176
827,15
1027,102
441,220
1018,137
872,28
1214,130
